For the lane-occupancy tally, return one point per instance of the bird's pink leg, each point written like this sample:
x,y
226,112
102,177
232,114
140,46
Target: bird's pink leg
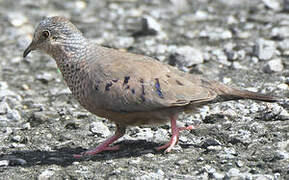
x,y
175,135
104,146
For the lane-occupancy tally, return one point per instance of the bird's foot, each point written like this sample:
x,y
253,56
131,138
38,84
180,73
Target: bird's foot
x,y
97,150
105,145
175,136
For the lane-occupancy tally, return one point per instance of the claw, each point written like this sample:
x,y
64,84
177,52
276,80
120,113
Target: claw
x,y
175,135
104,146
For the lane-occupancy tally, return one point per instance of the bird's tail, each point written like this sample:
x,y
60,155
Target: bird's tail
x,y
228,93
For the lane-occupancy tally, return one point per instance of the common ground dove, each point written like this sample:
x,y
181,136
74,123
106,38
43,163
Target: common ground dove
x,y
125,88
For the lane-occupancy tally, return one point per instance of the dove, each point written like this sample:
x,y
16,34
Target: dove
x,y
125,88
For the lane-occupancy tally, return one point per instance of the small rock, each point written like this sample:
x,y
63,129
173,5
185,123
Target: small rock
x,y
4,107
186,56
216,33
43,116
240,163
284,45
17,19
210,142
25,87
7,92
145,133
80,115
16,60
45,77
274,65
160,135
100,129
237,65
17,138
13,115
214,148
149,27
4,163
283,86
26,126
232,20
45,175
233,172
221,57
182,162
179,5
231,55
286,5
153,24
244,35
124,42
8,131
3,85
265,49
200,159
273,4
218,175
17,145
280,32
255,60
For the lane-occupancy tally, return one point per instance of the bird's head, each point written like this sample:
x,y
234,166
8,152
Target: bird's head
x,y
52,32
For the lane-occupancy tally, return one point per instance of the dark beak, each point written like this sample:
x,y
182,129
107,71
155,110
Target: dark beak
x,y
30,48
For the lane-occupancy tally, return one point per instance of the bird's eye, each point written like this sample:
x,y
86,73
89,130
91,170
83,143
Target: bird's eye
x,y
45,34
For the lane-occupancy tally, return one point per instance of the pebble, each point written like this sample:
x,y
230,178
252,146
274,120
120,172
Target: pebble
x,y
153,23
145,133
17,19
46,175
100,129
216,33
124,42
210,142
240,163
16,60
273,4
8,131
286,5
283,86
182,162
17,138
26,126
45,77
4,107
4,163
280,32
187,56
218,175
283,45
179,5
265,49
237,65
160,135
233,172
43,116
3,85
7,92
221,57
13,115
274,65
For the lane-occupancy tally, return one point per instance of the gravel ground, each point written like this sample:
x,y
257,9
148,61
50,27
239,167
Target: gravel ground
x,y
242,43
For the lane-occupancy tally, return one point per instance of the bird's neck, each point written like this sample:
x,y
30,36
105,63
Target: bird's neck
x,y
71,56
70,51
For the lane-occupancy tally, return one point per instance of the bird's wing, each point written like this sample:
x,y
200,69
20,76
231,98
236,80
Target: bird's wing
x,y
128,83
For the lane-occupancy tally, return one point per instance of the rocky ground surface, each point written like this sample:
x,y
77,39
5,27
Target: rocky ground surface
x,y
242,43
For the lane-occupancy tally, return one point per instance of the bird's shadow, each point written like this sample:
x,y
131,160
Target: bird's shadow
x,y
64,156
